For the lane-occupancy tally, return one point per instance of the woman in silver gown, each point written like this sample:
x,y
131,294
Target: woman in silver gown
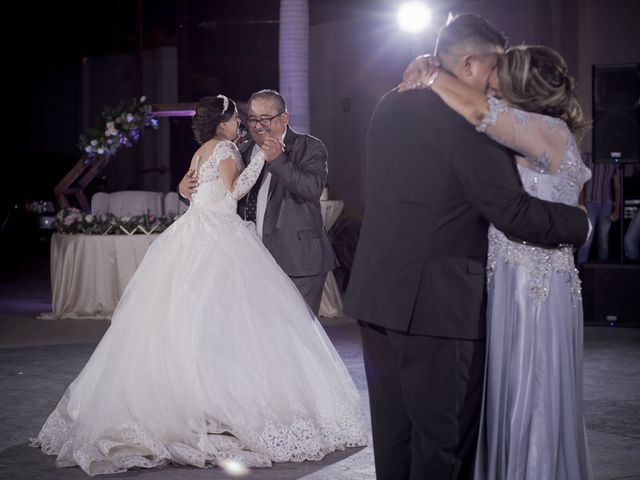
x,y
532,424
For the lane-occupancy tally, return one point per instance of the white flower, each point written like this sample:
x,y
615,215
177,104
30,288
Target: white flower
x,y
94,142
88,218
111,129
129,118
143,98
100,151
87,149
125,219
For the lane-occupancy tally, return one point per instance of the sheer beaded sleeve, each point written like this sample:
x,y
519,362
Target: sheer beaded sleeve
x,y
248,177
541,139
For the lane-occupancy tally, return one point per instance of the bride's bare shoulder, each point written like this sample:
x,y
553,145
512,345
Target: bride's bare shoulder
x,y
207,149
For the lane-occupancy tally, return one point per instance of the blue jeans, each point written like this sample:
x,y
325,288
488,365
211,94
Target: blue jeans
x,y
599,218
632,238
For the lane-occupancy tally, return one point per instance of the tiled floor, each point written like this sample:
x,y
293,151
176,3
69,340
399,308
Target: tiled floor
x,y
38,358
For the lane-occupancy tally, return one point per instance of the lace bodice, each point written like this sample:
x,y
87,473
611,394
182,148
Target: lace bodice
x,y
212,194
551,168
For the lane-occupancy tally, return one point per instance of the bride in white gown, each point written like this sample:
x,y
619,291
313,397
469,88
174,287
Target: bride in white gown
x,y
212,354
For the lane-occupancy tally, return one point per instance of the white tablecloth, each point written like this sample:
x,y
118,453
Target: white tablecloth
x,y
90,272
331,303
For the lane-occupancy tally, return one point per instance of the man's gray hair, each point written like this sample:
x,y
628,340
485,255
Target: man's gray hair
x,y
268,94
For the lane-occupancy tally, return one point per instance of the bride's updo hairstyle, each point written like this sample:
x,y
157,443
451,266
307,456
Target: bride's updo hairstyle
x,y
210,112
536,79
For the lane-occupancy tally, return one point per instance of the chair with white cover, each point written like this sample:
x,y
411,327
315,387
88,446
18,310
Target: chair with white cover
x,y
128,203
100,203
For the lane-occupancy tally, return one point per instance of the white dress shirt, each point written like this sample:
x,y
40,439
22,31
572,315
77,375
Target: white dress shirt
x,y
263,193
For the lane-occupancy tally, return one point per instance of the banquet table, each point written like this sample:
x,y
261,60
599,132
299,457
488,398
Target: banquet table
x,y
90,272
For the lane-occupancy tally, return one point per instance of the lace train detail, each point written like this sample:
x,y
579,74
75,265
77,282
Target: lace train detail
x,y
212,355
133,445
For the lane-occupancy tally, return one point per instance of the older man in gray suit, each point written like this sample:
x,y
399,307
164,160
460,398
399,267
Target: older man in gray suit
x,y
285,201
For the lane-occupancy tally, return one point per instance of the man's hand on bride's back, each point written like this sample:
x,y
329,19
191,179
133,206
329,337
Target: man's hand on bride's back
x,y
188,185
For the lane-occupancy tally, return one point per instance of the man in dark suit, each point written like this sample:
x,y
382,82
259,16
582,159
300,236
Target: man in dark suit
x,y
285,201
418,281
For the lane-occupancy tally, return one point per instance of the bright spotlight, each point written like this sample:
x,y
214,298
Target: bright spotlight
x,y
413,17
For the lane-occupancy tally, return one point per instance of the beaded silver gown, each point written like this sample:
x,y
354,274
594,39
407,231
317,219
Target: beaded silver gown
x,y
532,424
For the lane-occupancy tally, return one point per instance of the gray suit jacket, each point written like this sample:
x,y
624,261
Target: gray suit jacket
x,y
293,229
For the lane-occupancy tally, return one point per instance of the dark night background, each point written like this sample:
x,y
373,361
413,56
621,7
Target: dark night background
x,y
231,47
222,46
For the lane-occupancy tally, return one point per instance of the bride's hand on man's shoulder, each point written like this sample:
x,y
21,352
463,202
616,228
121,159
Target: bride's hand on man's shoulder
x,y
420,73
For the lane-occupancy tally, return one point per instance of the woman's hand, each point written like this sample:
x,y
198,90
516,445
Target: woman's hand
x,y
272,148
420,74
240,138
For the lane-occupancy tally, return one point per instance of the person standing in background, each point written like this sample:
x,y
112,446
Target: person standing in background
x,y
601,195
632,239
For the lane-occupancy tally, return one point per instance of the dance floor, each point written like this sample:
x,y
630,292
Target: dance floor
x,y
38,358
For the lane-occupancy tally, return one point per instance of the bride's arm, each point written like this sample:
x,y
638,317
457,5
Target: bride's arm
x,y
228,172
239,185
228,159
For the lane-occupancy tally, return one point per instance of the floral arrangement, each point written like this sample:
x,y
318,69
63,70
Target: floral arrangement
x,y
122,126
73,220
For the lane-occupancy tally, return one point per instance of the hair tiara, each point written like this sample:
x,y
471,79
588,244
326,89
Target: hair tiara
x,y
225,103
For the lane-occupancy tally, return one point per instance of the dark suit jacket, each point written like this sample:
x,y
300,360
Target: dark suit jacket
x,y
293,229
433,186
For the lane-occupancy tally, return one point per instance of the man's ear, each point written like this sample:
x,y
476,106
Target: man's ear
x,y
285,118
467,65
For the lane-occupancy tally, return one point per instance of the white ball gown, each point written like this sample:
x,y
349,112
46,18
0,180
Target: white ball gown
x,y
212,355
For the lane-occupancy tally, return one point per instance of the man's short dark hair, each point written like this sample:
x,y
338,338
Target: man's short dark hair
x,y
468,27
270,95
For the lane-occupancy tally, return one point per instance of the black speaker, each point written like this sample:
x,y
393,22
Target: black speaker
x,y
616,113
611,294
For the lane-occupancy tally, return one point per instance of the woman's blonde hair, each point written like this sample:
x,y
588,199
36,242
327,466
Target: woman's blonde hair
x,y
536,79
